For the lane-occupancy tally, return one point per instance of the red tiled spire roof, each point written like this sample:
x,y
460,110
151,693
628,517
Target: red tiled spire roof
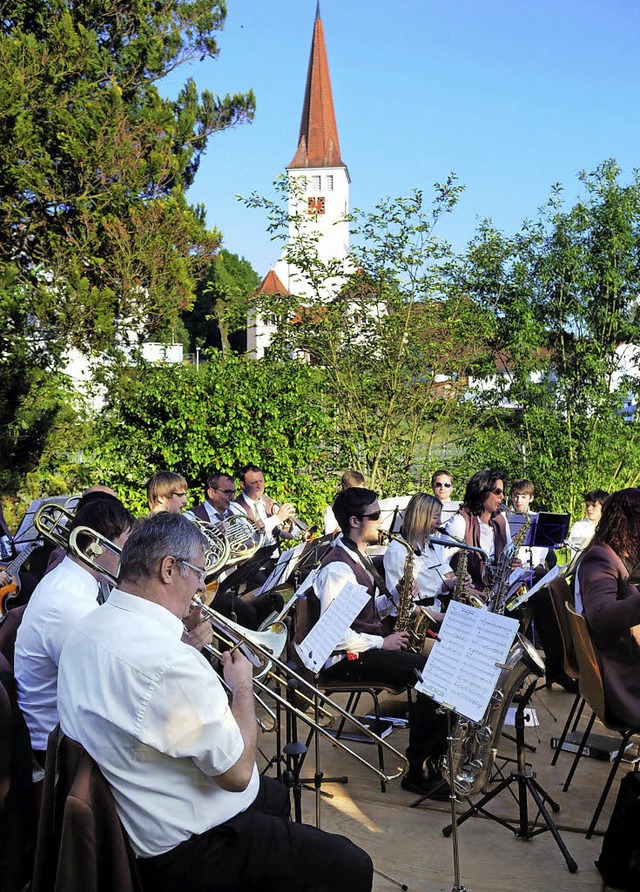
x,y
318,144
271,284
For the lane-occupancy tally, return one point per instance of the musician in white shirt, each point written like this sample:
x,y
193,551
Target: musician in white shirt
x,y
260,508
432,575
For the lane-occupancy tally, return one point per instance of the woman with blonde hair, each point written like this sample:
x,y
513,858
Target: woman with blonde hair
x,y
432,575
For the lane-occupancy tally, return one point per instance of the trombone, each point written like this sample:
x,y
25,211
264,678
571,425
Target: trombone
x,y
266,647
282,674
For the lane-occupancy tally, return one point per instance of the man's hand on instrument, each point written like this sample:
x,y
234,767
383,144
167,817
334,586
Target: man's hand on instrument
x,y
237,670
4,577
396,641
286,512
635,634
198,632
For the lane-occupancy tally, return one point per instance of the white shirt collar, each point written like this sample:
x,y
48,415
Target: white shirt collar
x,y
142,607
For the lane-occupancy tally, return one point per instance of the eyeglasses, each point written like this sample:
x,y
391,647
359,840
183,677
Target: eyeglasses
x,y
375,515
227,492
199,571
445,485
498,492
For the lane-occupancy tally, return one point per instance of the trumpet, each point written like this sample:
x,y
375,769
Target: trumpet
x,y
304,529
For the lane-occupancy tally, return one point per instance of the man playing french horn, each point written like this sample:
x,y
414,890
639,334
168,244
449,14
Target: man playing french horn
x,y
179,759
365,652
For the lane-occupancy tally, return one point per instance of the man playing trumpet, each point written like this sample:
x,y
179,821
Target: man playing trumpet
x,y
260,508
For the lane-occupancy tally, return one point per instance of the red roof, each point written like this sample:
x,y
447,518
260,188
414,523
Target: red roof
x,y
271,284
318,144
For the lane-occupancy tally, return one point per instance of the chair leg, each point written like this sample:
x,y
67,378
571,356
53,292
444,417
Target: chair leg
x,y
577,756
579,715
376,712
352,705
609,782
565,730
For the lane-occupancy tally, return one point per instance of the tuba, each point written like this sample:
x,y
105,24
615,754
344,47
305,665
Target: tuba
x,y
475,743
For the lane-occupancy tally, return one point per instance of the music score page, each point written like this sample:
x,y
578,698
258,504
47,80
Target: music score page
x,y
319,644
461,671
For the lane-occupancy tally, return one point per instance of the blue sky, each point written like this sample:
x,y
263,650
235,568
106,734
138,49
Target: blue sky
x,y
512,96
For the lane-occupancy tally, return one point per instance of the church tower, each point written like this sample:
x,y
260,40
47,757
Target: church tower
x,y
320,187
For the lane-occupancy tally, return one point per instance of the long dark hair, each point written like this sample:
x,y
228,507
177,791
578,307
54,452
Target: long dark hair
x,y
619,525
480,485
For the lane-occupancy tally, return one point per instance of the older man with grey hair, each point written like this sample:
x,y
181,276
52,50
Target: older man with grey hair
x,y
179,759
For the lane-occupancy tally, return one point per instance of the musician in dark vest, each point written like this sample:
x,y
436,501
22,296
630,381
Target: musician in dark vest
x,y
479,523
365,653
260,508
220,490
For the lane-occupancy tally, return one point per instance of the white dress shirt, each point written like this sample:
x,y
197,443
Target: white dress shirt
x,y
581,533
270,521
328,584
153,714
429,569
58,602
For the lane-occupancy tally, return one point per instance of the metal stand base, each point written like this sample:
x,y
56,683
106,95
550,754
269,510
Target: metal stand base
x,y
526,784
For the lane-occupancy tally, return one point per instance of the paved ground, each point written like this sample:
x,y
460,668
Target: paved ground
x,y
408,844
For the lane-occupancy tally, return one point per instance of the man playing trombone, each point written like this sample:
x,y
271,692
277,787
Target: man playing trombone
x,y
179,759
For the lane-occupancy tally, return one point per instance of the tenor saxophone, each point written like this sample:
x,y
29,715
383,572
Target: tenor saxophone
x,y
475,743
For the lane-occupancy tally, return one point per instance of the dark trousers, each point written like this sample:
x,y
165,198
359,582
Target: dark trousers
x,y
427,728
261,849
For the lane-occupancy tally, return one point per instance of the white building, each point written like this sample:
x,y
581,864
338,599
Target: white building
x,y
319,194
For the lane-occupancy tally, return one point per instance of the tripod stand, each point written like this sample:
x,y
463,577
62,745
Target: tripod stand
x,y
526,784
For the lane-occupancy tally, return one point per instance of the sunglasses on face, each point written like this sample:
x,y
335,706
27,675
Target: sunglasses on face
x,y
375,515
445,485
498,492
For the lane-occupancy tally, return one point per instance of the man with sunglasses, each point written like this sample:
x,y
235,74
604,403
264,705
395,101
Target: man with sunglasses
x,y
180,759
365,652
480,523
220,490
442,486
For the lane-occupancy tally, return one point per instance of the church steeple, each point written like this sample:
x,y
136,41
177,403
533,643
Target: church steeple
x,y
318,144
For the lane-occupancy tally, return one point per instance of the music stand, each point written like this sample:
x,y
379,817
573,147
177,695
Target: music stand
x,y
525,780
546,530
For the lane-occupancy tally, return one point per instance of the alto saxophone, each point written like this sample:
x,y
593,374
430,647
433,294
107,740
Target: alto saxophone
x,y
461,590
412,619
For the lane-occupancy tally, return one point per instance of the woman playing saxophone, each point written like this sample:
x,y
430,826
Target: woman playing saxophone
x,y
432,575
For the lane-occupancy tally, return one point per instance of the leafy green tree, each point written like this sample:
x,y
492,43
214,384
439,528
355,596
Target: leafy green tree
x,y
97,238
563,296
392,338
219,315
233,411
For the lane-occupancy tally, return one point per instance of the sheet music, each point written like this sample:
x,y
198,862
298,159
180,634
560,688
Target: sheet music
x,y
461,671
282,570
317,647
546,579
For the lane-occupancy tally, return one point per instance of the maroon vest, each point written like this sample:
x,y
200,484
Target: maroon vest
x,y
475,564
367,620
248,509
